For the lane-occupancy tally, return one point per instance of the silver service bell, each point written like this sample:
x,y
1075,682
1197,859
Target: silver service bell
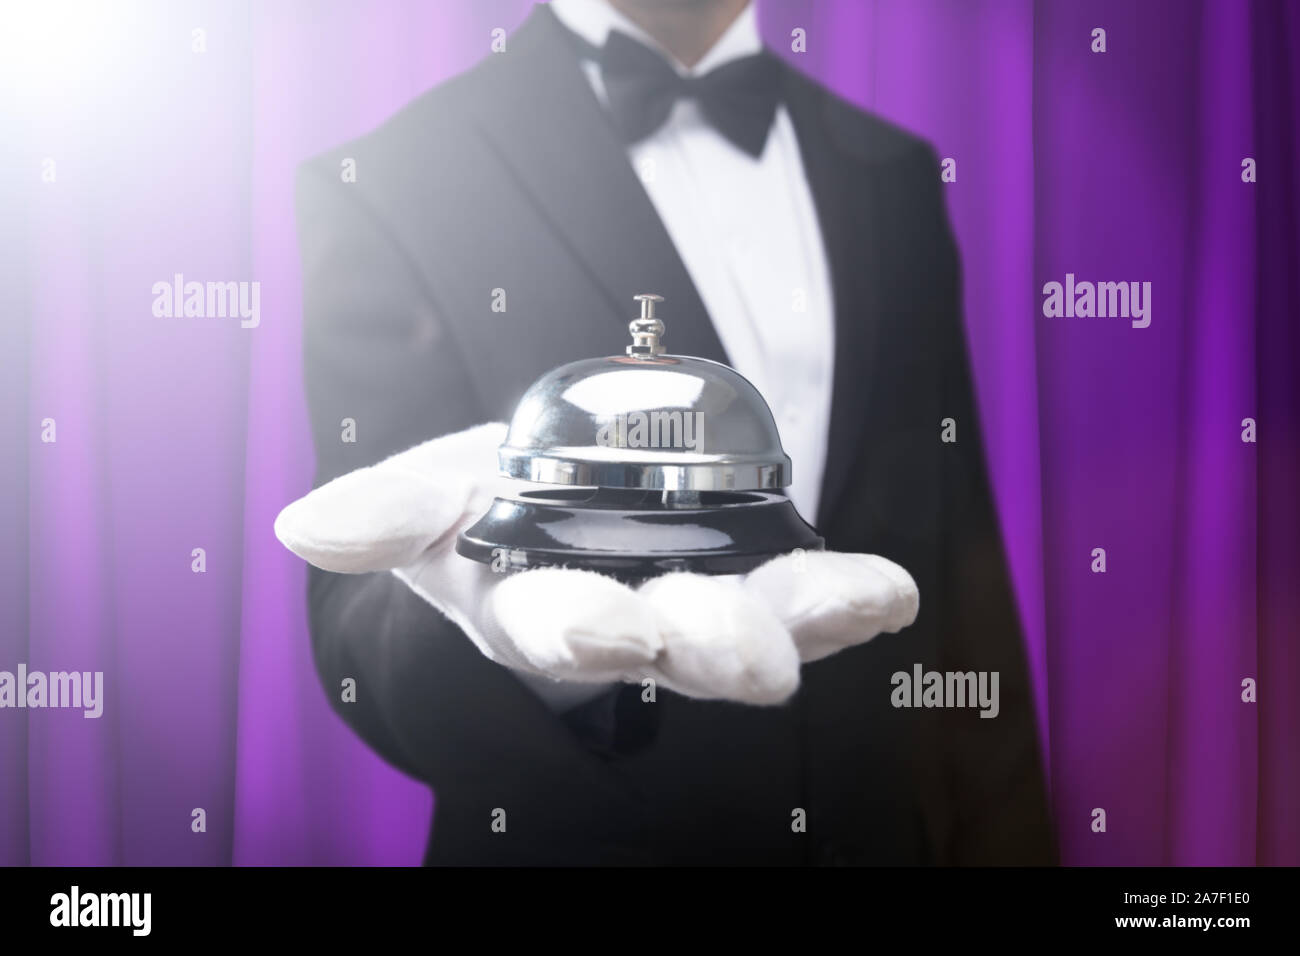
x,y
662,462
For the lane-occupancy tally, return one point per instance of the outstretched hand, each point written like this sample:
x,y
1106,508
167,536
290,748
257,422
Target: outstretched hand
x,y
735,637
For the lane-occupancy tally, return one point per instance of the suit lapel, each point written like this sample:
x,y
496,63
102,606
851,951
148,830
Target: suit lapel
x,y
563,150
841,185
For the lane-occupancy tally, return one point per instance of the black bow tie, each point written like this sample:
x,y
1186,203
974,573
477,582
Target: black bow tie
x,y
739,98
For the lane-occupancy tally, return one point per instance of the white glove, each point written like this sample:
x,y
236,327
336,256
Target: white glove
x,y
734,637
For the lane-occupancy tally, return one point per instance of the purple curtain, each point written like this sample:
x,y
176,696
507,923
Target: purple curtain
x,y
161,138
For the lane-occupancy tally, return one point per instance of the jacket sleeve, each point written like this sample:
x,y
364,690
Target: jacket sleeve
x,y
992,766
382,376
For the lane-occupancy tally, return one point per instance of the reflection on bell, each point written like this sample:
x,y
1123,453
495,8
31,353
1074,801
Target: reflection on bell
x,y
664,462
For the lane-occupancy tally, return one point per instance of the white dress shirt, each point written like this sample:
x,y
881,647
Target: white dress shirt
x,y
747,231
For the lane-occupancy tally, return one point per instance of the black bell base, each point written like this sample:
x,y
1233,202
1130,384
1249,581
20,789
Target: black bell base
x,y
636,534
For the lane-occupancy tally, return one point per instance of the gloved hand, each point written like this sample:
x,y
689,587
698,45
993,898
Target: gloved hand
x,y
739,637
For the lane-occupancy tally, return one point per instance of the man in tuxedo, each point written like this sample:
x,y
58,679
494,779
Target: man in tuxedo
x,y
622,146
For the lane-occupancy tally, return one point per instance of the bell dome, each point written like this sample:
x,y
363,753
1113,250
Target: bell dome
x,y
646,420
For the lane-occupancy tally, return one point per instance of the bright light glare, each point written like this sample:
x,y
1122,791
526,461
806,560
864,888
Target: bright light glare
x,y
56,55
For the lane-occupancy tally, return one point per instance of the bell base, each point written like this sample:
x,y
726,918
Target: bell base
x,y
632,534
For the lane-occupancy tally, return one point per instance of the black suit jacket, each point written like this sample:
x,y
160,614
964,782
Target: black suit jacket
x,y
510,177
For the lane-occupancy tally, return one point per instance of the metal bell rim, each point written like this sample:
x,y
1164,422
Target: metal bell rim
x,y
665,471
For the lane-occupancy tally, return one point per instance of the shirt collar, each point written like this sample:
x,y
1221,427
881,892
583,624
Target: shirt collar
x,y
593,19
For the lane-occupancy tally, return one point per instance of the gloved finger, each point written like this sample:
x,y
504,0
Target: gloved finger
x,y
719,642
371,520
386,515
831,600
577,625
